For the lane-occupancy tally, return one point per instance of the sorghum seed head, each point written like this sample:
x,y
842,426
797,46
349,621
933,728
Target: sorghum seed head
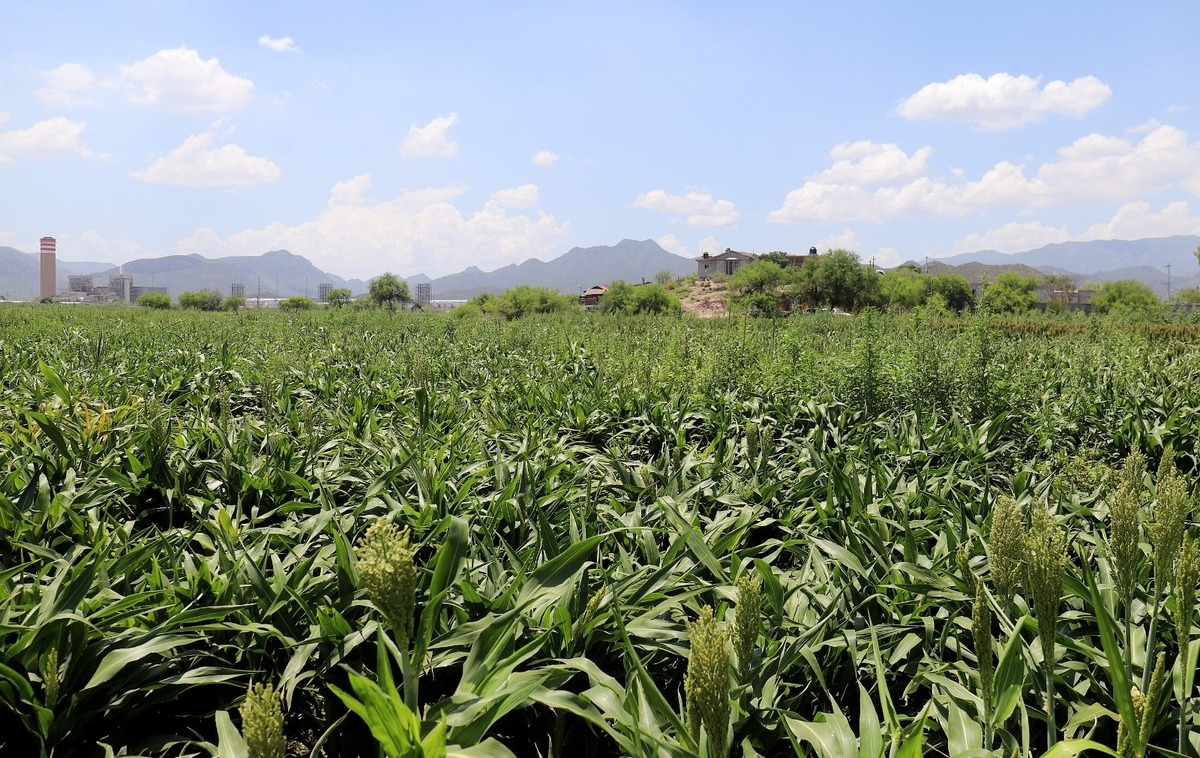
x,y
747,620
706,686
1006,544
1045,564
262,722
386,565
981,633
1171,508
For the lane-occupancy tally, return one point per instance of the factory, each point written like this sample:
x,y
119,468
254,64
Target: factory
x,y
83,288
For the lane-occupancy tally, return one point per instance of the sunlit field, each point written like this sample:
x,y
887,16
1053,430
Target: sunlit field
x,y
586,535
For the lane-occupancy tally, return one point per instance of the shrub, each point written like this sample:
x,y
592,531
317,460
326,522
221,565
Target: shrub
x,y
155,300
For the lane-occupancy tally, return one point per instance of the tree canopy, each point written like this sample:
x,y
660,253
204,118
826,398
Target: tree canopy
x,y
155,300
200,300
1011,293
837,279
1125,297
387,290
339,297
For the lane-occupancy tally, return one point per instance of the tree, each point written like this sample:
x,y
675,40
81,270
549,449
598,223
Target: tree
x,y
233,303
837,279
755,287
1011,293
200,300
387,290
665,278
954,289
1189,295
526,300
902,290
1125,297
155,300
297,303
616,299
339,297
778,257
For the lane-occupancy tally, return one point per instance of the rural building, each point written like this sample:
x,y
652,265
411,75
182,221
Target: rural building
x,y
591,296
726,263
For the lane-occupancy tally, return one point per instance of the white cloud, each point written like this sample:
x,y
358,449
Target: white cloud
x,y
870,163
525,196
1095,168
1003,101
431,140
545,158
4,117
51,137
697,208
181,80
1014,237
846,240
196,163
70,84
416,231
281,45
1136,221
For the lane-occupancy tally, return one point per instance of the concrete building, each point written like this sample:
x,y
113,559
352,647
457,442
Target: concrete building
x,y
237,290
80,283
425,294
122,287
135,292
323,290
49,268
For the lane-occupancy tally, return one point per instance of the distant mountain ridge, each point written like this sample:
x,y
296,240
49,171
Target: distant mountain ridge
x,y
580,267
1094,262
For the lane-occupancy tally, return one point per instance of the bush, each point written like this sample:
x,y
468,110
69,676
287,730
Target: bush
x,y
297,303
200,300
233,303
156,300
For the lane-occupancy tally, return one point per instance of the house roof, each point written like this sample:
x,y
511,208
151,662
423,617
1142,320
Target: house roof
x,y
596,289
728,255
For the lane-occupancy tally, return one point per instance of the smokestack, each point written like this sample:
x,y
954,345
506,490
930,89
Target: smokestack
x,y
49,267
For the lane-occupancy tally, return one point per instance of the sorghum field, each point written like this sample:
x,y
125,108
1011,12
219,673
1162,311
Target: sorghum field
x,y
364,533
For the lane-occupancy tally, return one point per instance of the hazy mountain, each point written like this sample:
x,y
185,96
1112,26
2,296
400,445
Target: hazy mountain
x,y
20,273
1098,256
277,272
580,267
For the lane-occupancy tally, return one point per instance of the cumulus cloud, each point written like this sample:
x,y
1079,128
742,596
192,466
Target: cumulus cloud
x,y
1095,168
1003,101
870,163
1137,221
525,196
696,208
1014,237
416,231
52,137
181,80
431,140
70,84
197,163
847,239
545,158
281,45
4,117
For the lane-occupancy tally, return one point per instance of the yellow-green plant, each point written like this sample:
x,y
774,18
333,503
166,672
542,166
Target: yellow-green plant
x,y
1006,544
981,634
747,621
1045,564
50,678
1145,710
386,565
1187,573
706,685
262,722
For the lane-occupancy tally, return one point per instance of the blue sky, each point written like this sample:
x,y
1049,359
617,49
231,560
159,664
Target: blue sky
x,y
413,137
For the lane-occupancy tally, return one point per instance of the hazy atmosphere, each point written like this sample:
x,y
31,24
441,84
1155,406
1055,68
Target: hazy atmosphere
x,y
426,138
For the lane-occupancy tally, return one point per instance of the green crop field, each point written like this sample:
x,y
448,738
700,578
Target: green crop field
x,y
364,533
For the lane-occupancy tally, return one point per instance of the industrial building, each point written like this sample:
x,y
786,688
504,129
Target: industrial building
x,y
49,267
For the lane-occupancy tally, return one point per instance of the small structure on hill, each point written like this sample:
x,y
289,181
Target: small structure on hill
x,y
591,296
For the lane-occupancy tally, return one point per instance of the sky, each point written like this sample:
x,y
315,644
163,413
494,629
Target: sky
x,y
428,137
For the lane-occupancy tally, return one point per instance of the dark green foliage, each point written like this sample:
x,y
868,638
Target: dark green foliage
x,y
155,300
199,300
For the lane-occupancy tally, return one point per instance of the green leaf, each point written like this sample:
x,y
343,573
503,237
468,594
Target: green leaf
x,y
230,743
116,660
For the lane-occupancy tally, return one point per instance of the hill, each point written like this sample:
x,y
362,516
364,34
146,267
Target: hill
x,y
20,273
278,272
630,260
1098,256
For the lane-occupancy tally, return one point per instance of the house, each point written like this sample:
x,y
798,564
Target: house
x,y
723,264
591,296
727,262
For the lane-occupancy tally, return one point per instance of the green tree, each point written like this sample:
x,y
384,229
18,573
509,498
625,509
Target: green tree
x,y
526,300
902,290
155,300
1125,297
339,297
233,303
837,279
1189,295
778,257
654,299
388,289
755,287
617,298
200,300
1011,293
954,289
297,303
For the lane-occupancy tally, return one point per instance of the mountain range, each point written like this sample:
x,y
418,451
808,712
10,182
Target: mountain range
x,y
283,273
